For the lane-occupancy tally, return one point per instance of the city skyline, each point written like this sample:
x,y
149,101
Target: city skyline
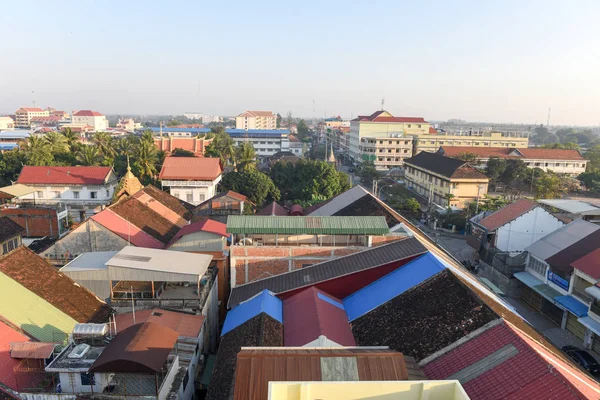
x,y
505,63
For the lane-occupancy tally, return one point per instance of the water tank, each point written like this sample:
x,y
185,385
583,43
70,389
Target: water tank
x,y
89,331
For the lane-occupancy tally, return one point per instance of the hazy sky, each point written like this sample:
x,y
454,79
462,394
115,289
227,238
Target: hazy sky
x,y
505,61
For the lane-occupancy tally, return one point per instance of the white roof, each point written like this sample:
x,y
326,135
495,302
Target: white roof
x,y
340,201
570,206
17,190
92,261
161,260
561,238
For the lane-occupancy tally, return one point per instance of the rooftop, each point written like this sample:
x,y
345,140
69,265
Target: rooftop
x,y
571,206
589,264
397,252
563,259
205,225
273,209
251,113
8,336
78,175
191,169
384,116
17,190
263,302
257,366
561,238
184,324
161,260
445,166
531,153
259,224
64,363
94,260
9,229
87,113
507,214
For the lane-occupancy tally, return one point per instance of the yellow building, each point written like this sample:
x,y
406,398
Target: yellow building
x,y
383,138
432,142
24,115
436,177
256,120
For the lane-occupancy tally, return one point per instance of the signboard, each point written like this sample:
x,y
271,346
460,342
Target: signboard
x,y
557,280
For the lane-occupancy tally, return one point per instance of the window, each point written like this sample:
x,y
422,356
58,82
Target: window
x,y
409,125
418,126
11,245
39,194
4,248
107,193
56,195
201,197
537,266
93,195
75,195
88,379
454,185
189,197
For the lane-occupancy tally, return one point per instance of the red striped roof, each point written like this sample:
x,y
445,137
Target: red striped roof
x,y
207,225
7,363
506,214
378,117
126,230
78,175
191,168
533,153
87,113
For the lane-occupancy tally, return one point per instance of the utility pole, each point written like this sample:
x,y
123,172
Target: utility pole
x,y
548,120
532,176
477,202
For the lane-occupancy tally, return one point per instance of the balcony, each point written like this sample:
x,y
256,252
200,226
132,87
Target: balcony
x,y
582,296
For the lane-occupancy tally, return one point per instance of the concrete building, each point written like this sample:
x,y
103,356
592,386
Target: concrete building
x,y
432,141
128,124
97,121
193,179
10,235
560,161
84,190
256,120
6,123
382,138
220,206
437,177
24,115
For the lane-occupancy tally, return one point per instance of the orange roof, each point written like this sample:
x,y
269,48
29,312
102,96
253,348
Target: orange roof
x,y
87,113
30,109
191,168
534,153
507,214
249,113
185,324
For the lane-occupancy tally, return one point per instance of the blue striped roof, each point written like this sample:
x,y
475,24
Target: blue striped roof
x,y
20,134
8,145
392,285
231,132
265,301
573,305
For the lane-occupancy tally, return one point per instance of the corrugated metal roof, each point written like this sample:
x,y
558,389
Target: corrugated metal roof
x,y
90,261
28,349
561,238
391,285
570,206
340,201
374,257
507,214
265,302
307,225
161,260
17,190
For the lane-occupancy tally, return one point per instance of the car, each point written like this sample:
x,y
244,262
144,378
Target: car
x,y
350,169
583,358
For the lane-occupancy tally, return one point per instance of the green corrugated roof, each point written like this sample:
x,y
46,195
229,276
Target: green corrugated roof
x,y
259,224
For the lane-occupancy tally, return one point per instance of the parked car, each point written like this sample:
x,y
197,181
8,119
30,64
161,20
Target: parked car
x,y
583,358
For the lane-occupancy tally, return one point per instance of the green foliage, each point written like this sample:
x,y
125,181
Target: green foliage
x,y
182,153
368,173
495,167
303,131
544,136
568,146
316,199
245,156
56,142
279,119
410,206
255,185
488,203
88,156
222,146
549,186
146,159
11,163
593,154
468,157
174,122
38,152
308,178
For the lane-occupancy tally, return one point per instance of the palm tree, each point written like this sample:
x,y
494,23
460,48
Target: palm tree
x,y
38,152
147,136
88,155
105,144
56,142
246,156
146,158
71,138
126,146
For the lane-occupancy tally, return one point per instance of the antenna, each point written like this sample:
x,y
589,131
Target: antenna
x,y
33,97
382,104
548,121
161,124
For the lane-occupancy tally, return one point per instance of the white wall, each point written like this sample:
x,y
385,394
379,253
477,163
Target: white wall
x,y
199,194
525,230
70,382
211,314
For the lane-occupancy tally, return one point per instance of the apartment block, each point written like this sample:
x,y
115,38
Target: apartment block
x,y
256,120
431,142
24,115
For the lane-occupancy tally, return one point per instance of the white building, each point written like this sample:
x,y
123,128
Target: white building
x,y
6,123
514,227
207,119
256,120
191,179
84,190
128,124
24,115
94,119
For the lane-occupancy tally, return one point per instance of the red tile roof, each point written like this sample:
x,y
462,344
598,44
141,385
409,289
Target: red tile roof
x,y
185,324
87,113
502,152
7,363
525,375
236,195
377,117
126,230
30,109
205,225
191,168
432,130
273,209
589,264
508,213
310,314
249,113
78,175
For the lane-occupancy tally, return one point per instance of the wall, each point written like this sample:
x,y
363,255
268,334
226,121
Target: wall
x,y
198,194
526,230
168,382
211,313
200,242
432,143
70,382
37,222
89,236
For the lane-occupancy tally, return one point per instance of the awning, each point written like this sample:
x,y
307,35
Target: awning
x,y
593,291
574,306
35,350
590,323
537,285
528,279
208,370
547,292
17,190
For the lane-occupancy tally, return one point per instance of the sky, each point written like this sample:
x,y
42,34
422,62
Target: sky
x,y
494,61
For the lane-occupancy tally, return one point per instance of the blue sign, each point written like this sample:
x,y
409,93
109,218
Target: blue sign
x,y
560,282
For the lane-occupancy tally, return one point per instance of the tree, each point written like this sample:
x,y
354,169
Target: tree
x,y
146,159
245,156
549,186
182,153
591,180
173,122
488,203
516,173
544,136
71,138
279,119
411,206
258,187
368,173
468,157
88,155
593,154
302,129
568,146
38,152
495,167
106,148
222,146
11,163
57,143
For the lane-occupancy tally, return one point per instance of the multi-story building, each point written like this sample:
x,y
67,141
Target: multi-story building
x,y
440,179
256,120
84,190
6,123
128,124
192,179
207,119
382,138
561,161
24,115
92,118
432,141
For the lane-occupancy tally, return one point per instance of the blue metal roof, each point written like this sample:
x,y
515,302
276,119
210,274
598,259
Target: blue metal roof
x,y
528,279
265,301
8,145
573,305
231,132
392,285
22,134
